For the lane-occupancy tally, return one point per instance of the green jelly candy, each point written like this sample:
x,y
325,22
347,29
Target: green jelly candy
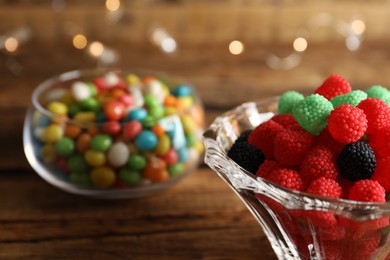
x,y
176,169
101,142
77,164
137,162
311,113
65,146
151,101
92,89
130,177
352,98
380,92
288,101
90,104
156,111
80,179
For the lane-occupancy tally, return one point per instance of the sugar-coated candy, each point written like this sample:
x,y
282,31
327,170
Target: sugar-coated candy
x,y
146,140
118,154
113,132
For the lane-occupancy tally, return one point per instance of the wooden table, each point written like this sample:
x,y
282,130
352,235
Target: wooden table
x,y
199,217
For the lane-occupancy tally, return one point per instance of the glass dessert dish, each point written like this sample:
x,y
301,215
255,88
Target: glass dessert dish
x,y
112,133
296,223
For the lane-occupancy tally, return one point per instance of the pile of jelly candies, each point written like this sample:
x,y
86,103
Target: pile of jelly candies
x,y
119,132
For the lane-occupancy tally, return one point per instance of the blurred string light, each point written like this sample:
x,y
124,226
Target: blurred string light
x,y
10,44
114,11
163,40
353,33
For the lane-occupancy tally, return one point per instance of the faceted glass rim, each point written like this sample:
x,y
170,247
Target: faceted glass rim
x,y
221,134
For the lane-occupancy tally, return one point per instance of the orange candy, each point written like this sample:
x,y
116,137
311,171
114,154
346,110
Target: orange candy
x,y
72,131
83,143
117,93
158,130
170,101
156,170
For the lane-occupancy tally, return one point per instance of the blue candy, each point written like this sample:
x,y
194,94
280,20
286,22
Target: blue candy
x,y
183,91
146,141
183,154
137,114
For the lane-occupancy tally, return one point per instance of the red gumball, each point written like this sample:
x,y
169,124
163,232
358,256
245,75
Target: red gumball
x,y
114,110
131,130
170,157
112,128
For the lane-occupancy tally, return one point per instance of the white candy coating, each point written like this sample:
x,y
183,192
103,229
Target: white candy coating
x,y
118,154
80,91
138,97
155,89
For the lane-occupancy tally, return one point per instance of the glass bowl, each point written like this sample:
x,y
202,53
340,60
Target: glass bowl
x,y
94,148
293,221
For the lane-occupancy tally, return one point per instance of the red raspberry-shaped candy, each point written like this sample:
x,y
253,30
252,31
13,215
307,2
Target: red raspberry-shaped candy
x,y
326,139
367,190
319,162
325,187
347,124
377,113
286,120
266,168
380,143
381,173
333,86
262,137
291,145
287,178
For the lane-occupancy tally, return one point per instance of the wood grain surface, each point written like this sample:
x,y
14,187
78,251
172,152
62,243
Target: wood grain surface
x,y
199,217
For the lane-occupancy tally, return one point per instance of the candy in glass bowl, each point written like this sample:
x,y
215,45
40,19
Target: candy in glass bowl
x,y
313,170
114,134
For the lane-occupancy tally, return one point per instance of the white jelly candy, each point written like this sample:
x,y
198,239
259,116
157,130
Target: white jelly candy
x,y
80,91
111,79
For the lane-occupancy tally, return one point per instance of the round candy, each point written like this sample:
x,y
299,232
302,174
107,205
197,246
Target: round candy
x,y
72,131
90,104
103,177
157,111
137,114
114,110
112,127
132,129
155,170
77,164
188,124
146,141
130,177
137,162
53,133
151,101
95,158
183,154
183,91
57,108
83,143
85,117
163,145
101,142
65,146
176,169
80,91
171,157
118,154
48,153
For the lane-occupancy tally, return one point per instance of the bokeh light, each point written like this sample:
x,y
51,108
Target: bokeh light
x,y
358,26
11,44
113,5
300,44
80,41
236,47
96,49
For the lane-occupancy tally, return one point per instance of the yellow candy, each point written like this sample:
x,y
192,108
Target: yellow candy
x,y
85,117
48,153
133,79
185,102
57,108
103,177
163,145
199,147
188,124
95,158
53,133
170,111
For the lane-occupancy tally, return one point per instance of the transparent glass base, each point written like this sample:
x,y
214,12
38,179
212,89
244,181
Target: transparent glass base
x,y
298,225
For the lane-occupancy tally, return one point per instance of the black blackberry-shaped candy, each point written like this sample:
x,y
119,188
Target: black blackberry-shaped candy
x,y
356,161
247,156
244,136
